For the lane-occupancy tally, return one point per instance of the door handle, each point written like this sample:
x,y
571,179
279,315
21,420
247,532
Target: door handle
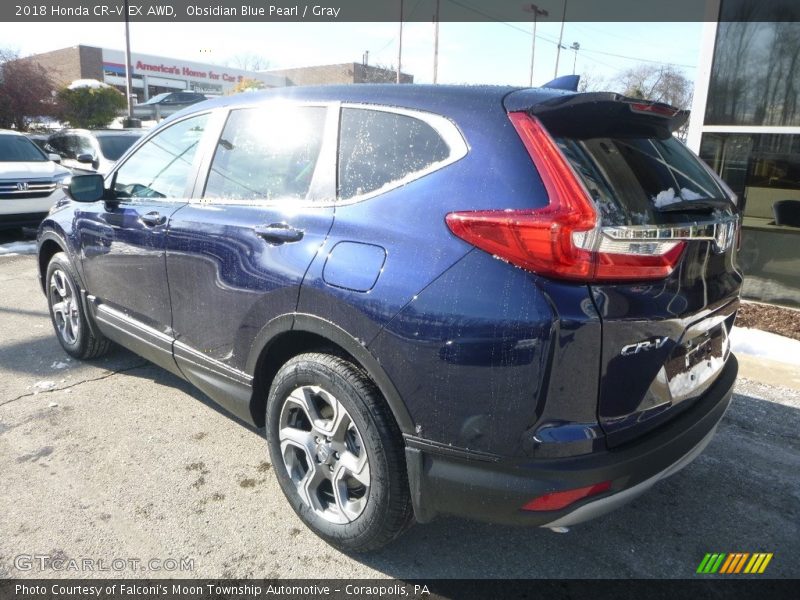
x,y
279,233
153,218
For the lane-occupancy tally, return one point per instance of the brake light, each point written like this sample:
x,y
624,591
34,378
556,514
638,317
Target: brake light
x,y
564,239
559,500
663,110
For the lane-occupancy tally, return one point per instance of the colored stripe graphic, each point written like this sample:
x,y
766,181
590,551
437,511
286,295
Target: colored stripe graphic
x,y
726,566
734,563
764,564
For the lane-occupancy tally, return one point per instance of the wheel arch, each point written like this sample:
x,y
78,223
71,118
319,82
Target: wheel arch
x,y
50,244
290,335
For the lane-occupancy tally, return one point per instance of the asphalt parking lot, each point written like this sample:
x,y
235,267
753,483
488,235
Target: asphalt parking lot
x,y
120,459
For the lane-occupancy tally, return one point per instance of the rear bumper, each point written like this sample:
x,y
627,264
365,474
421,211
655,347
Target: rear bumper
x,y
486,488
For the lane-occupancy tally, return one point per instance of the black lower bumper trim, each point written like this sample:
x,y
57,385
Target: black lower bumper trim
x,y
444,483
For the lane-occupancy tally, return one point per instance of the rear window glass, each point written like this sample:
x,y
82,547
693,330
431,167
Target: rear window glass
x,y
380,148
630,179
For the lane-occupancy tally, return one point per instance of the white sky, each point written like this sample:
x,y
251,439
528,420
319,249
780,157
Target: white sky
x,y
493,53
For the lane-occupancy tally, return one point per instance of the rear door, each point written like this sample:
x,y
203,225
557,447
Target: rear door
x,y
664,342
238,252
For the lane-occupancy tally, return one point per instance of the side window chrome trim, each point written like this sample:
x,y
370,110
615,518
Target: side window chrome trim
x,y
444,127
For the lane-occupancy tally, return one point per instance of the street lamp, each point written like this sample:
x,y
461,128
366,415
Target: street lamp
x,y
400,44
537,12
575,47
560,38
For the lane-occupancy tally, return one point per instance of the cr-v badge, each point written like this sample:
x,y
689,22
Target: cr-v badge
x,y
654,344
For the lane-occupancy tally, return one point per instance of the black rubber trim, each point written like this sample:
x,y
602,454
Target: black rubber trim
x,y
443,483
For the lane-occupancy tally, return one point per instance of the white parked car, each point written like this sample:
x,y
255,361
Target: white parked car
x,y
30,181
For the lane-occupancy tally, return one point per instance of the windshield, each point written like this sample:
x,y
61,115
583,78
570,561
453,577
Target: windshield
x,y
157,98
114,146
633,179
16,148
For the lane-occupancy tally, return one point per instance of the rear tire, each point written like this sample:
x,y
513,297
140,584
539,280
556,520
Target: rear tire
x,y
67,314
337,452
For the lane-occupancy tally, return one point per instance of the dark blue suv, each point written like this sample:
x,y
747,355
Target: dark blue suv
x,y
507,304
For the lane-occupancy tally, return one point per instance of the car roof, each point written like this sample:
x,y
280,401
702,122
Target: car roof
x,y
101,132
436,98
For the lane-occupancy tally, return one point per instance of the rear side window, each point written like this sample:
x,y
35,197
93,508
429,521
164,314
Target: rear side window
x,y
267,154
632,178
380,148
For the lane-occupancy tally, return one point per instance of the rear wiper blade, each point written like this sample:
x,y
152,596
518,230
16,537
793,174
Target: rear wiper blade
x,y
708,205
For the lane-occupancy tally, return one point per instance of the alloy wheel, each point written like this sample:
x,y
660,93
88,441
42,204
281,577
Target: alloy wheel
x,y
324,454
64,306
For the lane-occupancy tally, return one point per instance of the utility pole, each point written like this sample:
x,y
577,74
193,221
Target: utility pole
x,y
537,12
130,121
575,47
560,37
400,44
436,44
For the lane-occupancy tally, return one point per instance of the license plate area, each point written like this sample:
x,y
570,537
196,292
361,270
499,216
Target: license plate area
x,y
696,362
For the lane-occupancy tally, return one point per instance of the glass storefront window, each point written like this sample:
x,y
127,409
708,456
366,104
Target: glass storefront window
x,y
756,73
762,169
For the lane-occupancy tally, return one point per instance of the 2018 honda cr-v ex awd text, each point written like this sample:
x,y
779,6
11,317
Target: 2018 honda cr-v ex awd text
x,y
505,304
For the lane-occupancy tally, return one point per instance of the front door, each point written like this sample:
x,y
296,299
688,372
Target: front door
x,y
237,254
124,239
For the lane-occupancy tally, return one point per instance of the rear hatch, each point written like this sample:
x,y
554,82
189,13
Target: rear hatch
x,y
665,334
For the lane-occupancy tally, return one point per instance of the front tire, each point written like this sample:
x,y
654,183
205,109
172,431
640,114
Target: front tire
x,y
67,313
337,452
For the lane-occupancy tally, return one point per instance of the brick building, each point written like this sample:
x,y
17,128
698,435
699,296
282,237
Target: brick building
x,y
340,74
150,74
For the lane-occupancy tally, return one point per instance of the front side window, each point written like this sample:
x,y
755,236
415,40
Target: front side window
x,y
378,149
161,167
267,153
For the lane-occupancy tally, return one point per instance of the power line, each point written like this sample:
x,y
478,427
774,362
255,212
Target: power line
x,y
555,42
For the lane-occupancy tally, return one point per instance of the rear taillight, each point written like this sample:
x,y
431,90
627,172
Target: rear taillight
x,y
564,239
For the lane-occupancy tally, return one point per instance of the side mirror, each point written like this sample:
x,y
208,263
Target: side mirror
x,y
54,157
86,188
85,158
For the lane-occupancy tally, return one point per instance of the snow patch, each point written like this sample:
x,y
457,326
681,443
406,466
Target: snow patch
x,y
666,198
688,194
763,344
59,365
17,248
87,83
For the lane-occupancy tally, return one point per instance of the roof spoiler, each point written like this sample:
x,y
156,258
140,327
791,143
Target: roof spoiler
x,y
598,114
568,83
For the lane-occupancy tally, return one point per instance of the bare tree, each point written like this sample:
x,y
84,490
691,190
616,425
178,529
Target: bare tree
x,y
249,61
26,91
660,83
592,82
247,85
